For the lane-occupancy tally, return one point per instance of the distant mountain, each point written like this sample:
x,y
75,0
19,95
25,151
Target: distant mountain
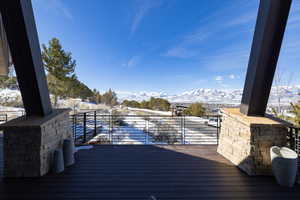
x,y
286,94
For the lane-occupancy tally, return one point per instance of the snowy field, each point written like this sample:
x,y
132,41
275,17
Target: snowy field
x,y
151,111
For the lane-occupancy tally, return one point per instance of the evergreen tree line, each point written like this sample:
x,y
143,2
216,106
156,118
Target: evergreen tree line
x,y
62,80
153,103
8,82
108,98
195,109
296,112
61,77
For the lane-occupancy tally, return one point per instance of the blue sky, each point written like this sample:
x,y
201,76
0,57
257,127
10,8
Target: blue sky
x,y
162,45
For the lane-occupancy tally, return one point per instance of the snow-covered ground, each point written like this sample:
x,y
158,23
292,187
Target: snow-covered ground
x,y
10,96
151,111
10,113
196,119
8,109
78,104
129,133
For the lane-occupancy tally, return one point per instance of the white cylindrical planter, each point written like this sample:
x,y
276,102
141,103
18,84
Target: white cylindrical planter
x,y
284,165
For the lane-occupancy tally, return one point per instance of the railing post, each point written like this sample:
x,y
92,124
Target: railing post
x,y
218,128
147,131
95,123
297,142
110,127
182,124
84,127
297,145
6,118
290,138
183,129
75,127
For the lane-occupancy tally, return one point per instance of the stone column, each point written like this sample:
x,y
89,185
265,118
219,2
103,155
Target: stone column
x,y
30,141
246,141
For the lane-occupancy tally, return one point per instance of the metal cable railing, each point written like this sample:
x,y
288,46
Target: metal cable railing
x,y
9,115
293,139
3,118
97,128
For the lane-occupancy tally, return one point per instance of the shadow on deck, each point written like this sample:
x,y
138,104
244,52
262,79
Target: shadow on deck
x,y
138,172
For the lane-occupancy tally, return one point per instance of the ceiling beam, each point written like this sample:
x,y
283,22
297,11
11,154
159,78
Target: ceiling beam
x,y
22,37
270,27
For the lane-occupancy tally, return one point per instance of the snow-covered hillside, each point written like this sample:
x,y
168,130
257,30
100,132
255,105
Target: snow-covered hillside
x,y
9,95
287,95
12,98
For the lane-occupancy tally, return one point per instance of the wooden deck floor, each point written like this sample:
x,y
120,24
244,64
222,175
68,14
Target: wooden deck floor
x,y
138,172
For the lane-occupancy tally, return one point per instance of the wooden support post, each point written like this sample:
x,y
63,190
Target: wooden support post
x,y
270,27
19,24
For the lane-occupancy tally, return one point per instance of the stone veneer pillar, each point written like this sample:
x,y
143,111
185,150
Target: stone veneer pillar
x,y
29,143
246,141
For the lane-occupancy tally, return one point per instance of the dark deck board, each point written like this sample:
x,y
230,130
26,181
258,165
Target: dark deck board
x,y
137,172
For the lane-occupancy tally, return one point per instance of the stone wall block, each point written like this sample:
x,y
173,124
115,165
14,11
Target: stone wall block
x,y
30,142
246,141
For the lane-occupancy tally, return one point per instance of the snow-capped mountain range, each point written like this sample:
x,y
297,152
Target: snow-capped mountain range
x,y
218,96
286,94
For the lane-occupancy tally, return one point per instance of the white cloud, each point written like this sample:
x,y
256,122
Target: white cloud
x,y
132,62
224,85
200,81
219,78
216,27
222,60
143,8
55,6
244,19
232,76
294,17
198,36
179,52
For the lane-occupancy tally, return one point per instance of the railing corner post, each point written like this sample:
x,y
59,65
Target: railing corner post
x,y
84,127
95,123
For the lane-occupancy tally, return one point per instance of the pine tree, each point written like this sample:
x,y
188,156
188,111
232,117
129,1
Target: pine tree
x,y
60,67
132,103
296,112
96,96
109,98
9,81
195,109
159,104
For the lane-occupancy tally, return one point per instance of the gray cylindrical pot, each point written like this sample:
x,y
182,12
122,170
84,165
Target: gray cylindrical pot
x,y
68,150
284,165
58,161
